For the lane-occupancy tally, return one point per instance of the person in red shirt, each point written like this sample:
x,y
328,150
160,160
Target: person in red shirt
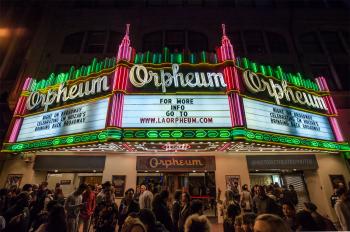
x,y
89,201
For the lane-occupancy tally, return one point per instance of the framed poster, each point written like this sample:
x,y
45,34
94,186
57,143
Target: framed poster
x,y
336,180
119,185
231,181
13,180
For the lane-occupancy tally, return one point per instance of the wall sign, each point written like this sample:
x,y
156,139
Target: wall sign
x,y
176,111
175,163
276,162
76,119
65,93
282,92
141,77
278,119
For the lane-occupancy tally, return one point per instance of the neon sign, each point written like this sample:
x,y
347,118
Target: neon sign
x,y
65,93
255,84
140,76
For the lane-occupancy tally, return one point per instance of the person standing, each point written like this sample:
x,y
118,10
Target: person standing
x,y
56,220
324,224
72,206
17,216
127,206
38,202
246,199
185,210
289,215
176,209
108,214
145,198
262,203
342,208
89,198
160,209
293,195
232,212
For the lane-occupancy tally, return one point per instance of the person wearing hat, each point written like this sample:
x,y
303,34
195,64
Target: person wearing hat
x,y
323,223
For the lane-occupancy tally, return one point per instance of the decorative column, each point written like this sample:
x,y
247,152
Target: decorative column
x,y
332,110
121,74
225,53
19,112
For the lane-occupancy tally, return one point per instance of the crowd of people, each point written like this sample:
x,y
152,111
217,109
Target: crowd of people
x,y
93,208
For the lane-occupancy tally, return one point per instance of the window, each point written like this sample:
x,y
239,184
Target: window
x,y
310,43
95,42
153,42
254,42
115,38
343,72
237,42
332,42
318,70
197,42
277,42
175,40
72,43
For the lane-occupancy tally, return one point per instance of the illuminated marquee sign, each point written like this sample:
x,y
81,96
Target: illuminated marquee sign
x,y
176,111
141,77
65,93
278,119
282,92
82,118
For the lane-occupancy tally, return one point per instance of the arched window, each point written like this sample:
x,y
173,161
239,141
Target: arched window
x,y
277,42
153,41
310,43
72,43
197,41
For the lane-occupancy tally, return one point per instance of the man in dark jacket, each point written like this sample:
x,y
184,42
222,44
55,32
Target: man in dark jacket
x,y
160,209
185,210
127,206
176,209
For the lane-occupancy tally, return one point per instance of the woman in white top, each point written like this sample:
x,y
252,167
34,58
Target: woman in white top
x,y
246,199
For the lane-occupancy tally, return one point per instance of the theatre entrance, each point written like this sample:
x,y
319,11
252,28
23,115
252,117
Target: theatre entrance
x,y
195,175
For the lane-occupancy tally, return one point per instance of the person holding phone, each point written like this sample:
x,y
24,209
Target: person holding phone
x,y
73,205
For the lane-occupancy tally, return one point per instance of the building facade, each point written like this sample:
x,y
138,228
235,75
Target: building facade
x,y
182,102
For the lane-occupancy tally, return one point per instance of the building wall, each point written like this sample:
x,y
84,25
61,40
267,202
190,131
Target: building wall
x,y
319,183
